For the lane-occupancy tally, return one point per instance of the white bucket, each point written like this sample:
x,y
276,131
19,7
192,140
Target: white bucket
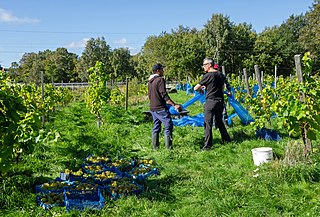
x,y
262,155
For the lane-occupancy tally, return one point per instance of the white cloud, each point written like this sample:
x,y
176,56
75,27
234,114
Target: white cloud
x,y
122,41
78,44
7,17
134,50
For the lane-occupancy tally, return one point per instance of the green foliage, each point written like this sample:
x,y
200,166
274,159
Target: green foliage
x,y
121,64
307,64
116,97
285,106
184,62
136,88
57,66
217,35
12,112
309,34
262,108
97,93
265,49
95,50
21,111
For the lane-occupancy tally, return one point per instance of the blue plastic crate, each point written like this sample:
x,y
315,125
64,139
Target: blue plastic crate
x,y
75,200
142,172
50,200
117,191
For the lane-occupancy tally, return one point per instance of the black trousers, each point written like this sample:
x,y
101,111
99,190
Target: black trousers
x,y
214,108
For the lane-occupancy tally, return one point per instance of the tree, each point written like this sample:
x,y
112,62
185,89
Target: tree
x,y
278,44
121,64
310,34
241,46
217,36
60,66
13,69
95,50
155,49
266,52
31,65
185,54
56,65
288,44
140,64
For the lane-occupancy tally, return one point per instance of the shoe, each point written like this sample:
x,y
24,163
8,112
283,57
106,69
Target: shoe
x,y
223,142
155,141
206,149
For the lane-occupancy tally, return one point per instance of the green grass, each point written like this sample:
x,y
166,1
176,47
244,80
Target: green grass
x,y
221,182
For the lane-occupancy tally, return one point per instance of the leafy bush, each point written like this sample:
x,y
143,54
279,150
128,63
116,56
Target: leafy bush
x,y
116,97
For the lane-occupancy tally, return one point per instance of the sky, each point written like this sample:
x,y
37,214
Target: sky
x,y
38,25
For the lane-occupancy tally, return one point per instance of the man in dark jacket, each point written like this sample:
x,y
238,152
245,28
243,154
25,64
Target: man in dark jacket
x,y
159,99
213,81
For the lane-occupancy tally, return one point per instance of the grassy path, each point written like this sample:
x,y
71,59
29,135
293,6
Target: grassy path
x,y
221,182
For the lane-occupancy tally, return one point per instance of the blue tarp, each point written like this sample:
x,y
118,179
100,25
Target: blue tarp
x,y
195,121
240,110
229,119
268,134
197,96
185,87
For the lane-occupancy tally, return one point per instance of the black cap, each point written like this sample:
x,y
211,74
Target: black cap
x,y
157,66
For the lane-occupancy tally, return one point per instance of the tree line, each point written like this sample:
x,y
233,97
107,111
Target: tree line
x,y
235,46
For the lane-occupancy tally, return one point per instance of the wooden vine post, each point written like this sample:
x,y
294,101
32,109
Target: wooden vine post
x,y
42,95
257,72
275,77
304,130
246,81
223,70
127,93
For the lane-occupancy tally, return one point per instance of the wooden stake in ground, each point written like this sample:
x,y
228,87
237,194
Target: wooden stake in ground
x,y
127,92
257,72
307,142
246,81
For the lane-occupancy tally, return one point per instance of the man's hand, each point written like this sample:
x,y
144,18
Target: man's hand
x,y
178,107
199,88
202,89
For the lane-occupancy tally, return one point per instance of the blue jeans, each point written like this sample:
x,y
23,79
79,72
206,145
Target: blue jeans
x,y
164,117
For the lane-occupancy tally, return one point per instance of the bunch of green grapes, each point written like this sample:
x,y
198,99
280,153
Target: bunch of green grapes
x,y
105,175
55,185
52,198
98,159
122,186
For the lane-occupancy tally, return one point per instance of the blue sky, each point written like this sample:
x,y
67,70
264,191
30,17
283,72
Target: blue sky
x,y
37,25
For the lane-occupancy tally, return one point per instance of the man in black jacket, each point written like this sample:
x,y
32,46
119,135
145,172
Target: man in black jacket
x,y
159,99
213,81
